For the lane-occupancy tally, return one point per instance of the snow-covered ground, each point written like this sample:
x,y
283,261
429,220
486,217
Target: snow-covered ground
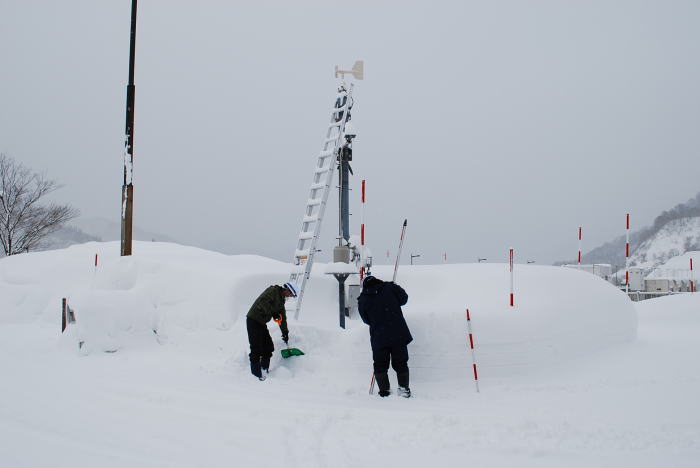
x,y
573,375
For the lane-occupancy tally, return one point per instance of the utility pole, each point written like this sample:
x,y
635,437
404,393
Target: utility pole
x,y
128,186
341,252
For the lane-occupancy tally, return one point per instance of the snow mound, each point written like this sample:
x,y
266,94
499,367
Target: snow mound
x,y
165,291
559,314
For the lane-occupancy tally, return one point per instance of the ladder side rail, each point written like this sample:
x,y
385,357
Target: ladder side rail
x,y
318,183
339,127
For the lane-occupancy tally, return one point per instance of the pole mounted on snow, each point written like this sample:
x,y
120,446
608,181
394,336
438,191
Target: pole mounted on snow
x,y
580,236
512,295
692,281
471,346
627,256
398,255
128,186
362,236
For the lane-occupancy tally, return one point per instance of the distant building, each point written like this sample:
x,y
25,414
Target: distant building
x,y
604,270
636,276
673,276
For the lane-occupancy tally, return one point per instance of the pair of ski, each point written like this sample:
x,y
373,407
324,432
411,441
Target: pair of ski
x,y
396,270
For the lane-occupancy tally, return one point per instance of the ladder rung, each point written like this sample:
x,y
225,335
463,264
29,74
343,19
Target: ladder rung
x,y
302,253
314,202
318,185
306,235
309,219
322,169
325,154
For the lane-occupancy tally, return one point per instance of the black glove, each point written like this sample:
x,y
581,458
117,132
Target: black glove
x,y
285,338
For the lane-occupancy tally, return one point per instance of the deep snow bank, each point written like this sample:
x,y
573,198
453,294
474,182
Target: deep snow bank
x,y
559,313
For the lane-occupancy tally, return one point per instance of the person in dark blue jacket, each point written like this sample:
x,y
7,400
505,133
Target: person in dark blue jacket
x,y
380,307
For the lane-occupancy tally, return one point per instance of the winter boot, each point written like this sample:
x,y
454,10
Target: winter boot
x,y
404,391
265,364
383,384
255,368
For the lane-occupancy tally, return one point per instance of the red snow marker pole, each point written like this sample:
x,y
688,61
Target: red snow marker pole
x,y
471,346
512,298
580,232
627,256
692,283
95,260
362,236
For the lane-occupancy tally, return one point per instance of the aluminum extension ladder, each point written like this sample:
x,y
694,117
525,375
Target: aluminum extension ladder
x,y
318,194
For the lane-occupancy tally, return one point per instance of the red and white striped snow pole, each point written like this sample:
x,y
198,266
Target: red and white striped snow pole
x,y
627,256
362,236
471,346
580,236
512,295
692,283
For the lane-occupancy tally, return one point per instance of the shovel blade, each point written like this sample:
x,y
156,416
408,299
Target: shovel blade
x,y
288,352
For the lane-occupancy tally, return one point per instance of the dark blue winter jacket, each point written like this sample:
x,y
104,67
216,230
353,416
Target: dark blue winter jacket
x,y
380,308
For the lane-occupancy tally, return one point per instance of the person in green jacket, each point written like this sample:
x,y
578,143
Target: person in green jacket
x,y
268,306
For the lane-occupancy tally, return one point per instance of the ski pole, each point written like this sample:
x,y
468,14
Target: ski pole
x,y
398,255
371,385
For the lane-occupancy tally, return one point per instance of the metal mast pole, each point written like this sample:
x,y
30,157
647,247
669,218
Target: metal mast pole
x,y
128,186
344,191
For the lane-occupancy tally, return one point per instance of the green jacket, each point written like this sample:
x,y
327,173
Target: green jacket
x,y
270,305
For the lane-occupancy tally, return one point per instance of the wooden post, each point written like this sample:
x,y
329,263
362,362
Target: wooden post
x,y
64,315
128,187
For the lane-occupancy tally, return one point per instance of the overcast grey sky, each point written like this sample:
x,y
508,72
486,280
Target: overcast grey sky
x,y
486,124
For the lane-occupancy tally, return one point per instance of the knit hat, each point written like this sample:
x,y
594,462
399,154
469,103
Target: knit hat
x,y
370,281
291,287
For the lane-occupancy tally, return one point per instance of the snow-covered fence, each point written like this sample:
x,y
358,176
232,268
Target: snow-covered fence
x,y
637,296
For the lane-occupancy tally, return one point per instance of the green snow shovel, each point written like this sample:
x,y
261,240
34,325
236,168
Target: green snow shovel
x,y
288,352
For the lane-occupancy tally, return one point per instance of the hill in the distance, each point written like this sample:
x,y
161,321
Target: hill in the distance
x,y
674,232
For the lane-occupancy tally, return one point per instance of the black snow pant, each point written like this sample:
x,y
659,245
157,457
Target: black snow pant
x,y
261,347
398,356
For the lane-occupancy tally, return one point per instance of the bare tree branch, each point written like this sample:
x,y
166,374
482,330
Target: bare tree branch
x,y
24,222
